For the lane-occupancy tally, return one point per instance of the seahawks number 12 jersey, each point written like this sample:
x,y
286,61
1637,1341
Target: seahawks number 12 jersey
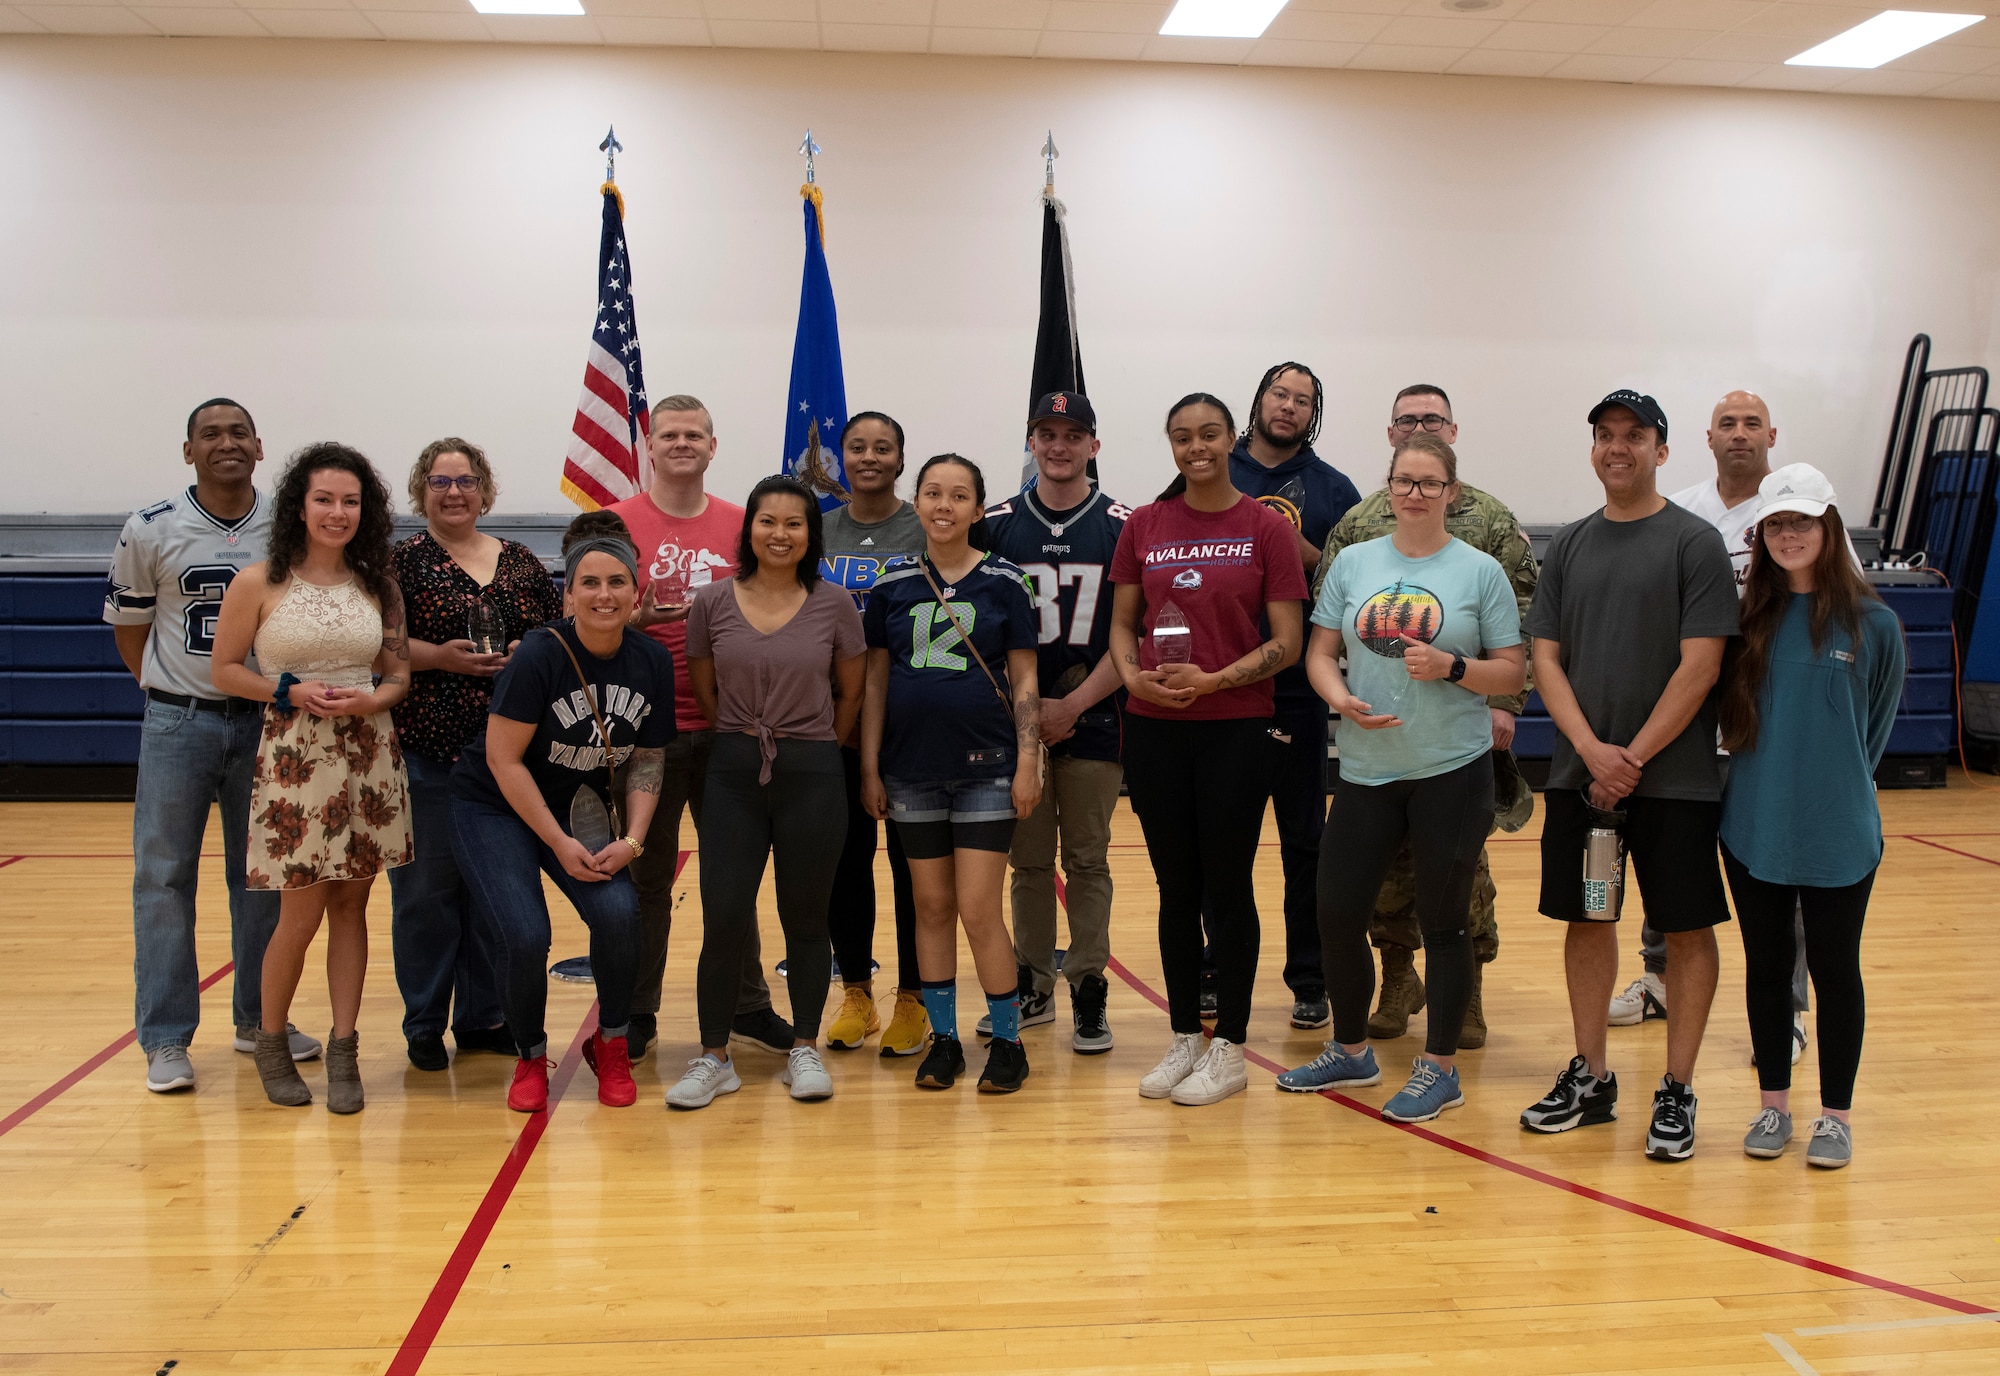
x,y
1067,556
173,563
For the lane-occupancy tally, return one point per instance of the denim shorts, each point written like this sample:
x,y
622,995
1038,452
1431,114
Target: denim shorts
x,y
952,800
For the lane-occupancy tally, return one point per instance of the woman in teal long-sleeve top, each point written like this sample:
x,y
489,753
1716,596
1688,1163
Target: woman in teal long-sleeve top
x,y
1809,694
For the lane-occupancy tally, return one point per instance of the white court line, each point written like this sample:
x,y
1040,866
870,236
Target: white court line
x,y
1792,1358
1898,1323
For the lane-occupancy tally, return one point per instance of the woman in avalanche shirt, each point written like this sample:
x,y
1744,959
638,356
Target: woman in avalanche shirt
x,y
1198,747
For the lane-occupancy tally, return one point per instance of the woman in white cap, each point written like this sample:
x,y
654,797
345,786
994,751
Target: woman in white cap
x,y
1809,694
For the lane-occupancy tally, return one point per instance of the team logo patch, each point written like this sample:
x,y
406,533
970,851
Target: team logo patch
x,y
1188,578
1285,508
1394,612
1061,406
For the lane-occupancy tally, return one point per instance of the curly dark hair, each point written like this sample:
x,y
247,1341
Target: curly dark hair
x,y
367,554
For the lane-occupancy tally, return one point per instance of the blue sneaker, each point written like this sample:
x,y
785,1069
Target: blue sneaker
x,y
1333,1069
1431,1091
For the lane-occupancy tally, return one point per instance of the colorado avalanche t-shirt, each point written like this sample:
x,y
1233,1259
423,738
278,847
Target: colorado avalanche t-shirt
x,y
1219,568
943,720
703,548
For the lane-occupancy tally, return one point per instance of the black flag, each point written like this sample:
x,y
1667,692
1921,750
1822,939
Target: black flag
x,y
1058,356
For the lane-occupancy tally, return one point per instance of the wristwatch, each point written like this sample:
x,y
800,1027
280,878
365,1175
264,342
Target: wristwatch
x,y
1457,669
638,846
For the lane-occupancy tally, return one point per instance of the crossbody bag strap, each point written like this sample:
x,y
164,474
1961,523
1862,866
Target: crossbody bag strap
x,y
603,731
1006,703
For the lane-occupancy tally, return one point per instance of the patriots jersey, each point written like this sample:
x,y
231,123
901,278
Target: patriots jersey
x,y
173,563
1067,556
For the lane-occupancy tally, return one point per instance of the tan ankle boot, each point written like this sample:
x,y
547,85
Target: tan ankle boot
x,y
1472,1036
343,1073
282,1084
1402,995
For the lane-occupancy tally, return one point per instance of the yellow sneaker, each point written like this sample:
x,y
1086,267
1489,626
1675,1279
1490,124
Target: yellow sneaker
x,y
856,1019
909,1026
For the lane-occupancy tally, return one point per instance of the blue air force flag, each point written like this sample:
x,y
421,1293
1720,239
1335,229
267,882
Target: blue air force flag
x,y
817,407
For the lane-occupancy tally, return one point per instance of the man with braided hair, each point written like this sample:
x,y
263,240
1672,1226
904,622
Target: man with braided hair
x,y
1485,523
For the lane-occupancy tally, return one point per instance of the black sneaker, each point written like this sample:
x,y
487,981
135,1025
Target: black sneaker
x,y
640,1033
762,1029
1210,1001
1578,1100
1036,1009
1091,1034
1310,1009
943,1064
1671,1137
1006,1068
427,1051
497,1040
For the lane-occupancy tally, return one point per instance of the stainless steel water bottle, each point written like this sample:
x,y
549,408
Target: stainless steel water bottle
x,y
1604,866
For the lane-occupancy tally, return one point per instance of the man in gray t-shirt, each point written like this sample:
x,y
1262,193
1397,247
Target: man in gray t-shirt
x,y
1635,604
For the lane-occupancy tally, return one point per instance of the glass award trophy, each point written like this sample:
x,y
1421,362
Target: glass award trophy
x,y
1173,641
589,819
671,591
486,629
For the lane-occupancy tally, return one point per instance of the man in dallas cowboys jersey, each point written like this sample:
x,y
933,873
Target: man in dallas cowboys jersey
x,y
173,562
1062,532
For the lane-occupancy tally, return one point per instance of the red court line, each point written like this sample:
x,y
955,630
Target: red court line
x,y
92,855
1953,850
444,1294
75,1077
6,860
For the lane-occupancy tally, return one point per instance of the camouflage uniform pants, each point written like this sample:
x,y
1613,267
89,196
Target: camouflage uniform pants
x,y
1395,919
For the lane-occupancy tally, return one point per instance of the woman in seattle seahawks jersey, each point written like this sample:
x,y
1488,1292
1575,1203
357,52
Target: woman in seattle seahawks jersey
x,y
951,752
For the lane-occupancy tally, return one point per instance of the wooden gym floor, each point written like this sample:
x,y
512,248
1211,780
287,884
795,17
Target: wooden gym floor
x,y
1071,1228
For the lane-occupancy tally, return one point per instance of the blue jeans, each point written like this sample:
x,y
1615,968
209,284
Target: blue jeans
x,y
499,857
189,759
444,954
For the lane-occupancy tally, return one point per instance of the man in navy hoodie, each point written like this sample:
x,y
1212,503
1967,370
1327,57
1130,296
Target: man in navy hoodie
x,y
1274,462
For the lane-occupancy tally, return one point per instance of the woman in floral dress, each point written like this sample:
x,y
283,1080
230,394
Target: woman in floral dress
x,y
330,805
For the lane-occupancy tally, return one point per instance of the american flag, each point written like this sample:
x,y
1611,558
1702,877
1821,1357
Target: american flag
x,y
606,461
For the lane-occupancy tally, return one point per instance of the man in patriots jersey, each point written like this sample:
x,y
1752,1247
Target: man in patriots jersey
x,y
1062,532
198,746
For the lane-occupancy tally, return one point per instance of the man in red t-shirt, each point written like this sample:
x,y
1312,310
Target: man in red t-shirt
x,y
686,539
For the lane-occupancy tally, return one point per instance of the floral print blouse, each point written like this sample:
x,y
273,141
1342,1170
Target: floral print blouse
x,y
443,710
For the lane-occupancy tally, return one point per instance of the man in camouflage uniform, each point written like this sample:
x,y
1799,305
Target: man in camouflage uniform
x,y
1485,523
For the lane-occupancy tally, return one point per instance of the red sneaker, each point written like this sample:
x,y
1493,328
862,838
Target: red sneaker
x,y
530,1091
611,1058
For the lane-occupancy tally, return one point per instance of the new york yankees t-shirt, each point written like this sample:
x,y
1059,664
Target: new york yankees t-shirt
x,y
943,720
1219,568
701,547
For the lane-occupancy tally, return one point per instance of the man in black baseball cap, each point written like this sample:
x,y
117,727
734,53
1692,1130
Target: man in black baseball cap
x,y
1074,407
1643,407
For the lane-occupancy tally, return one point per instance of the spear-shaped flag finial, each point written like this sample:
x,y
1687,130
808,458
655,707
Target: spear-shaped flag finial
x,y
1049,155
809,150
611,148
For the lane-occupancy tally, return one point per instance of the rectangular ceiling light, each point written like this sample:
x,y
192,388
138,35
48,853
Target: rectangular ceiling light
x,y
528,6
1884,38
1221,18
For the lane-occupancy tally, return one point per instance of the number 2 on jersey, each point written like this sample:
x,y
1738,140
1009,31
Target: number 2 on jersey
x,y
205,583
1049,582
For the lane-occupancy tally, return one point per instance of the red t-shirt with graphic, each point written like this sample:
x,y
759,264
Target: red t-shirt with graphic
x,y
702,547
1219,568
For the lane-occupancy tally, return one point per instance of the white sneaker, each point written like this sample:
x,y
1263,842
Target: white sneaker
x,y
1644,998
169,1068
806,1074
706,1078
1179,1063
303,1048
1219,1075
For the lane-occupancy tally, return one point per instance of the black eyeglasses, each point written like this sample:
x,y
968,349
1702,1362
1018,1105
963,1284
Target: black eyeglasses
x,y
1430,487
1432,422
464,482
1796,523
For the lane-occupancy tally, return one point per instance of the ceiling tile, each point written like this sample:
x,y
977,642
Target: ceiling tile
x,y
990,14
1093,16
1812,22
1298,52
202,23
1441,32
1982,35
453,7
875,38
634,9
1504,62
1394,57
1704,72
418,27
1602,67
763,33
1697,14
873,12
1176,48
543,28
1889,81
100,19
1629,41
799,11
1943,57
317,24
1970,88
1323,27
13,21
1582,11
985,42
1350,6
261,5
1124,47
1545,38
640,31
1778,77
1740,45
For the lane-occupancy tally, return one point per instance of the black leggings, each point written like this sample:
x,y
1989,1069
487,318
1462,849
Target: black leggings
x,y
800,816
1199,788
1446,818
850,912
1833,917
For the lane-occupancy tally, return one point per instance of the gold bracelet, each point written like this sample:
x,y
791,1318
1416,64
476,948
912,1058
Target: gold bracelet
x,y
638,846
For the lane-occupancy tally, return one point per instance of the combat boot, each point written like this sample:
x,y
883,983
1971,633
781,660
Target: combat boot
x,y
1472,1035
1402,994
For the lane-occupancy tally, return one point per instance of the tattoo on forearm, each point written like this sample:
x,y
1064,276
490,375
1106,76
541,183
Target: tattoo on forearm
x,y
394,678
1028,719
1269,656
646,770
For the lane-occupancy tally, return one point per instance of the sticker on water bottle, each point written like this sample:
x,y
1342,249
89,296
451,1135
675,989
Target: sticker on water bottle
x,y
1596,896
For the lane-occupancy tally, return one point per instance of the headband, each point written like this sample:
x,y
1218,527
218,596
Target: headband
x,y
601,544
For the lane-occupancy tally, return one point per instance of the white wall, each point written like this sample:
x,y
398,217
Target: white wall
x,y
388,242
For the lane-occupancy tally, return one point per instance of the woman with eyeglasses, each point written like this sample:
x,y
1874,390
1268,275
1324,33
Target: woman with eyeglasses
x,y
457,581
1809,694
1429,628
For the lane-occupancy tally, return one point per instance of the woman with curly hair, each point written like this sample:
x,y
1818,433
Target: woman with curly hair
x,y
329,808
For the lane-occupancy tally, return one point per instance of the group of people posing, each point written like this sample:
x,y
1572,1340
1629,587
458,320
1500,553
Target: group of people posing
x,y
986,677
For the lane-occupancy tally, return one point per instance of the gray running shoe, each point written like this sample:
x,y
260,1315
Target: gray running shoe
x,y
1769,1135
706,1078
303,1048
1832,1144
169,1068
806,1074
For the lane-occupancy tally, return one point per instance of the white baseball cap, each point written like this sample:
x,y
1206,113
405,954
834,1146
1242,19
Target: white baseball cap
x,y
1796,487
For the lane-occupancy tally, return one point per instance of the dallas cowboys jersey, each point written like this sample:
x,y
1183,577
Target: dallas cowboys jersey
x,y
173,563
1067,555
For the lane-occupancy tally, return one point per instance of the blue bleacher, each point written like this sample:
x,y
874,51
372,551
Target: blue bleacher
x,y
65,697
